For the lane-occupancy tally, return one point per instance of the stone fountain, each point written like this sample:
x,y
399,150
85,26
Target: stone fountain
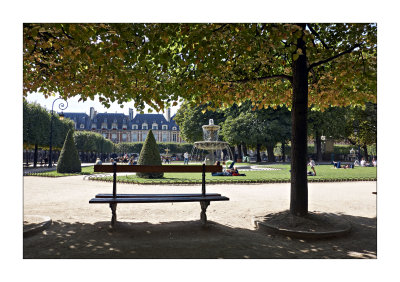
x,y
211,149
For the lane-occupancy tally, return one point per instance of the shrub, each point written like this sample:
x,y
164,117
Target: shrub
x,y
68,161
150,155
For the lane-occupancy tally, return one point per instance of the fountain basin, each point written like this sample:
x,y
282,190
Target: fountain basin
x,y
211,145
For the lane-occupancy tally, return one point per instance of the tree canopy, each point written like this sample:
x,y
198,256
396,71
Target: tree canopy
x,y
219,63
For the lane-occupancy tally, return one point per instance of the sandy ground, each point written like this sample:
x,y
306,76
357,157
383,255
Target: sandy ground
x,y
81,230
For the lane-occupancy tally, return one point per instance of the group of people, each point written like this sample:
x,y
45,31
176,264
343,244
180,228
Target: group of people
x,y
229,171
363,162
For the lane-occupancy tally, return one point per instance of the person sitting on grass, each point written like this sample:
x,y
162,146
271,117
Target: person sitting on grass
x,y
312,164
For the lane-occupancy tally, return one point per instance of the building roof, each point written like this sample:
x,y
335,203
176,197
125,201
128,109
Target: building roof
x,y
121,119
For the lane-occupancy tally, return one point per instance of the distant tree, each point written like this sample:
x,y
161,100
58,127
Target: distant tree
x,y
361,126
150,155
191,119
330,123
69,161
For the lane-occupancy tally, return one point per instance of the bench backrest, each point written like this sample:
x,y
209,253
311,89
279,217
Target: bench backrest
x,y
157,168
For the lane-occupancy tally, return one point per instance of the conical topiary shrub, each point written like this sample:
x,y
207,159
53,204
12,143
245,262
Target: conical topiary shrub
x,y
69,161
150,155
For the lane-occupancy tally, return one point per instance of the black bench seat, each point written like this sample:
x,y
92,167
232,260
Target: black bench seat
x,y
114,198
153,195
157,199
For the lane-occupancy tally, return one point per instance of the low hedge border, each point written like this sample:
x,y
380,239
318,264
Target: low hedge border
x,y
190,182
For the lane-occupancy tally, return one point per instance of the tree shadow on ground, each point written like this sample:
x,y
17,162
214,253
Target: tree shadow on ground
x,y
188,239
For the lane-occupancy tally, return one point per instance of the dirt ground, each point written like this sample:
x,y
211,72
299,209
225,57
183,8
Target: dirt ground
x,y
81,230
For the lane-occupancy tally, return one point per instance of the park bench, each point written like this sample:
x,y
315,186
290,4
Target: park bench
x,y
114,198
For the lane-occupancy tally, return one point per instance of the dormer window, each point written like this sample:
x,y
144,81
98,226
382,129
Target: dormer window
x,y
165,127
174,128
82,126
104,125
124,127
114,126
154,126
134,126
144,126
94,126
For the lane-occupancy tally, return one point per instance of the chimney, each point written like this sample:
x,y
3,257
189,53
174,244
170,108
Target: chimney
x,y
168,117
131,114
92,113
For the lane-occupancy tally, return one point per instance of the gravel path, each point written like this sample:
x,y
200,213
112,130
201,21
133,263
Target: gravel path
x,y
81,230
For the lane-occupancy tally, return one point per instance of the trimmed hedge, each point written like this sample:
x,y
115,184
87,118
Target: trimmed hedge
x,y
69,161
149,155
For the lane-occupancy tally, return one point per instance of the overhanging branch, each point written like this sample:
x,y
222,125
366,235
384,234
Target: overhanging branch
x,y
245,80
334,57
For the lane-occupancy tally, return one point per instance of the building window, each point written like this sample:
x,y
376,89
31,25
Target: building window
x,y
104,125
174,128
174,137
154,126
144,126
144,135
82,126
114,137
105,135
164,137
124,137
134,137
114,126
134,126
94,126
164,127
156,136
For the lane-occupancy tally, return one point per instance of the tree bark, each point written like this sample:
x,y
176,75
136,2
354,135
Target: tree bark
x,y
365,152
244,147
258,153
35,156
299,185
239,148
270,152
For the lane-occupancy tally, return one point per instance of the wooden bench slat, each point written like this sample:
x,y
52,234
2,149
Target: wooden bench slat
x,y
153,195
157,168
157,200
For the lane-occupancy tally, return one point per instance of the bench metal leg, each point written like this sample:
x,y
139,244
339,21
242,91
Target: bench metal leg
x,y
203,216
113,207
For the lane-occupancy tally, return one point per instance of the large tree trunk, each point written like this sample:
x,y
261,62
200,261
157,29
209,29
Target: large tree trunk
x,y
244,147
318,145
258,147
299,185
239,148
270,152
365,152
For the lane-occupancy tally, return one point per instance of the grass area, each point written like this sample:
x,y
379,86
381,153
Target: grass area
x,y
86,170
325,173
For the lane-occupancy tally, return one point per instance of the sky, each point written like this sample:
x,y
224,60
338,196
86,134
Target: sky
x,y
74,106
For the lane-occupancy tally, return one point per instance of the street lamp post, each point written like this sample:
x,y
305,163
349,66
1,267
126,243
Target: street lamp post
x,y
62,107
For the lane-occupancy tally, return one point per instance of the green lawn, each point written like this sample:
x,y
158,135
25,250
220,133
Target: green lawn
x,y
324,173
86,170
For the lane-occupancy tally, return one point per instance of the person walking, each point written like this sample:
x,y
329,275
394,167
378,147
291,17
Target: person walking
x,y
186,158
